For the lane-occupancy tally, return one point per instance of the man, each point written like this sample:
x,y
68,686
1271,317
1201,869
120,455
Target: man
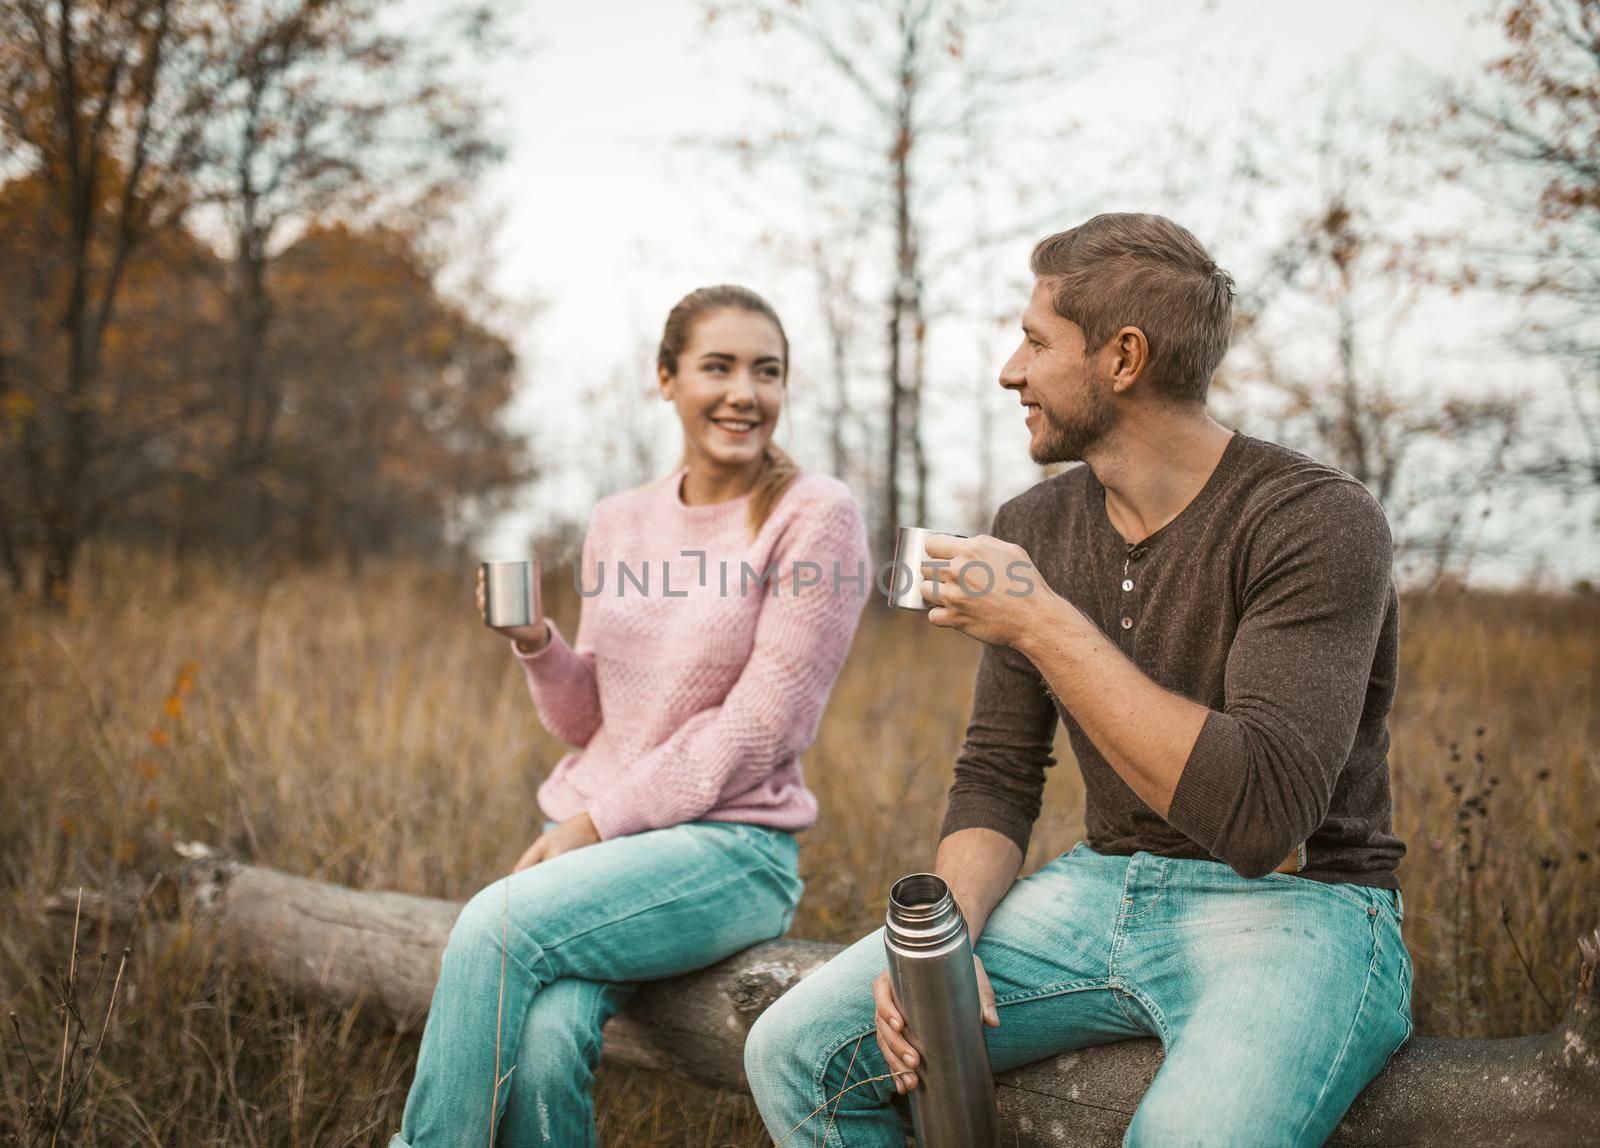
x,y
1213,617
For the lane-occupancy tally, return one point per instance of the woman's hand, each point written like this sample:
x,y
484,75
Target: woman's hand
x,y
904,1059
529,639
573,833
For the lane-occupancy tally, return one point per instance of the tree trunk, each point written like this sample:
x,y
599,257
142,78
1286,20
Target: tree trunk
x,y
891,465
9,551
258,405
9,554
381,951
919,368
57,554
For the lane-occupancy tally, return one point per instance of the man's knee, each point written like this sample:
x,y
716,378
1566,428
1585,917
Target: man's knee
x,y
1195,1113
796,1047
1164,1120
774,1052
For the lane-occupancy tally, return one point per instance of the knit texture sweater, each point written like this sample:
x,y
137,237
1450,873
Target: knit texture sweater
x,y
1270,600
703,657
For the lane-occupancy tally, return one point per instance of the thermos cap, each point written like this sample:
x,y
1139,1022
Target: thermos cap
x,y
923,916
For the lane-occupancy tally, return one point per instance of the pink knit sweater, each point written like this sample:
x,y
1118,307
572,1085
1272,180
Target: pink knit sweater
x,y
694,686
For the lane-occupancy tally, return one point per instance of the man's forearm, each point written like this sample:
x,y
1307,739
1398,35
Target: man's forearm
x,y
980,866
1144,732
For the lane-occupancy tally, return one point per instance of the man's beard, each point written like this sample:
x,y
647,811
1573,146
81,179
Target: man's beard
x,y
1064,441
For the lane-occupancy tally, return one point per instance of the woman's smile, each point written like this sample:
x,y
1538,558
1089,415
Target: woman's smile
x,y
736,427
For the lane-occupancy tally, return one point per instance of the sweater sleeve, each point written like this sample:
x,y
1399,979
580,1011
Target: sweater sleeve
x,y
999,774
561,678
1261,774
770,714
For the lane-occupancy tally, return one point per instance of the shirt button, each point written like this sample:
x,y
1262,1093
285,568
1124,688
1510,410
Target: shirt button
x,y
1127,623
1127,583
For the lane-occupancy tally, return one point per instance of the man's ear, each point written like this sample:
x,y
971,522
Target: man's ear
x,y
1130,356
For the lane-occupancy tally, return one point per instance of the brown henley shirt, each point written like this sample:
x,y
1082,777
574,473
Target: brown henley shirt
x,y
1270,599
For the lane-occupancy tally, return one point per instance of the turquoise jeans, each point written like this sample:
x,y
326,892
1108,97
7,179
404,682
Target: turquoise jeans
x,y
1277,999
540,960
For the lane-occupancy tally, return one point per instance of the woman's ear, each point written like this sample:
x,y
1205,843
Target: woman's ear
x,y
664,378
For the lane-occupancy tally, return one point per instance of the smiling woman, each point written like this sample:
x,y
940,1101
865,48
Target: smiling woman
x,y
670,842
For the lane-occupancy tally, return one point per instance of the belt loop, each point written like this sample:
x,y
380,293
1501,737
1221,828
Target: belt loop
x,y
1399,905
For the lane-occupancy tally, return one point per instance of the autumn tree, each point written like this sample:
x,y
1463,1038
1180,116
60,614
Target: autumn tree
x,y
1525,135
136,361
392,399
100,103
324,109
885,102
1319,353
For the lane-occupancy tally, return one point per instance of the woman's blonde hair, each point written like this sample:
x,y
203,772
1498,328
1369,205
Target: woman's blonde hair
x,y
778,470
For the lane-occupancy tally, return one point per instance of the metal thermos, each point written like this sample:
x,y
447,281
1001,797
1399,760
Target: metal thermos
x,y
930,965
511,593
905,580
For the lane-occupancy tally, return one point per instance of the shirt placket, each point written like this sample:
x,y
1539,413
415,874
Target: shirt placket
x,y
1127,596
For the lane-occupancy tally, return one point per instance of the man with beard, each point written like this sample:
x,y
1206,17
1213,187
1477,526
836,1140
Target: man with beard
x,y
1212,617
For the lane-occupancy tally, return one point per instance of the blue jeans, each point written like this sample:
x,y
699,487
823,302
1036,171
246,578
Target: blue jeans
x,y
1276,999
577,930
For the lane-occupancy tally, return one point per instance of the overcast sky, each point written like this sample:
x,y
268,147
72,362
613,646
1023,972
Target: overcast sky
x,y
608,218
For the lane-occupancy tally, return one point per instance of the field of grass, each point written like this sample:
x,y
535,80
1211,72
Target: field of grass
x,y
369,731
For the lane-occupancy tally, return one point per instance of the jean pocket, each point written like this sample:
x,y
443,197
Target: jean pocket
x,y
778,846
1388,929
1395,902
1353,894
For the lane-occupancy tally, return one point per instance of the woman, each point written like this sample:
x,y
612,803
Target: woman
x,y
707,644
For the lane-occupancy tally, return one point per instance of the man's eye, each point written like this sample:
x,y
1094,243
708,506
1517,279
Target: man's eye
x,y
716,367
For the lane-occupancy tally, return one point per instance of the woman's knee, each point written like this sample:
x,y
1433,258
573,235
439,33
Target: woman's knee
x,y
484,930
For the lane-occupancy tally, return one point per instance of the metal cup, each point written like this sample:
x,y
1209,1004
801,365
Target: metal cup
x,y
905,580
511,593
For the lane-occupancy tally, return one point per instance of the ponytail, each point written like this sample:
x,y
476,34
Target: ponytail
x,y
778,470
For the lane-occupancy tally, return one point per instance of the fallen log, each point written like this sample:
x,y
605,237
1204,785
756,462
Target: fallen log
x,y
380,951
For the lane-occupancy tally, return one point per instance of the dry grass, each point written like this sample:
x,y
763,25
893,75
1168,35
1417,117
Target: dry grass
x,y
370,732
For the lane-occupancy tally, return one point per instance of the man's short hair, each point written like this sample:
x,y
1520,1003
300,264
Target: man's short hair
x,y
1126,269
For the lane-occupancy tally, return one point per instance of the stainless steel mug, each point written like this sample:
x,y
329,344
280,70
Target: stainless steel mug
x,y
930,965
910,552
511,593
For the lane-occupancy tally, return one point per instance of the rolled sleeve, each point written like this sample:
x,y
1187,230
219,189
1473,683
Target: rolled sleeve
x,y
1260,777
